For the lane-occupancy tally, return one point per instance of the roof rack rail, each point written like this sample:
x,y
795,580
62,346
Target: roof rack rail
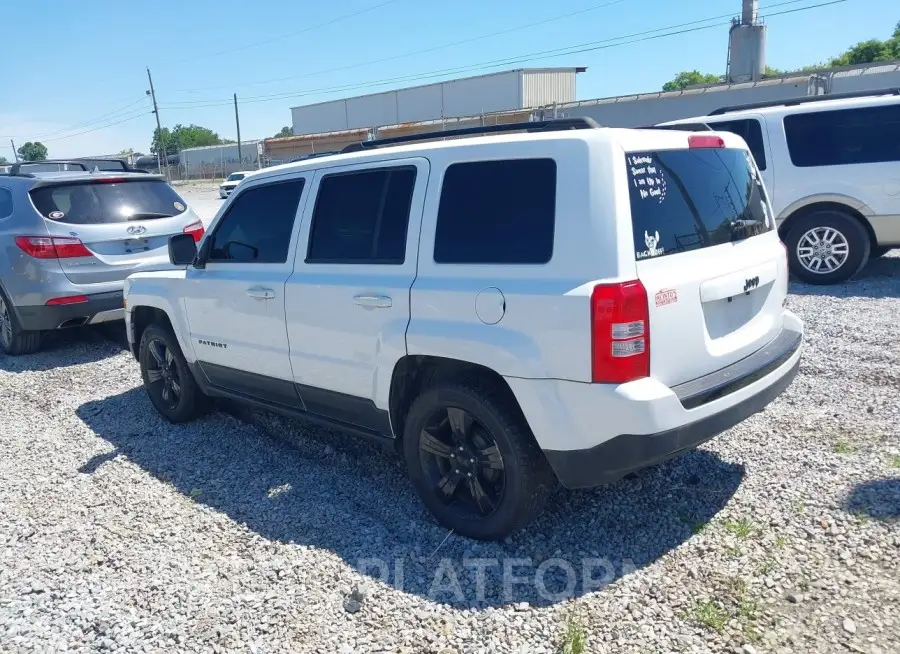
x,y
14,168
684,127
557,124
804,100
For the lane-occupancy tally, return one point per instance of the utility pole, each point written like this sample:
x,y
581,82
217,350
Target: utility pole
x,y
237,122
15,153
161,143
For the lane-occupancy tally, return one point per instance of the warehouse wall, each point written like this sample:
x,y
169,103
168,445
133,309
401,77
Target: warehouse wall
x,y
653,108
471,96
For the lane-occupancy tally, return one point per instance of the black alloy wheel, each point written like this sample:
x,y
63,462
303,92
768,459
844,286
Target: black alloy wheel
x,y
163,375
473,460
168,380
462,463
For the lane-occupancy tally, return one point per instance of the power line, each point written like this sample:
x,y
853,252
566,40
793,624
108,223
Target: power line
x,y
612,42
87,131
283,36
372,62
113,114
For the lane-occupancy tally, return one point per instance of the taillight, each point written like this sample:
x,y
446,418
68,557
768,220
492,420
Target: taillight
x,y
108,180
620,333
46,247
71,299
705,141
196,230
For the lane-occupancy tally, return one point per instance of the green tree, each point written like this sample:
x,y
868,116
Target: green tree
x,y
33,151
690,78
867,52
285,132
182,137
3,161
773,72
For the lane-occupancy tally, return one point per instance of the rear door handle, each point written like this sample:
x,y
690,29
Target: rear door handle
x,y
259,293
375,301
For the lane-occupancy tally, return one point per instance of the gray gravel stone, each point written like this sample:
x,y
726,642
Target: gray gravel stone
x,y
243,530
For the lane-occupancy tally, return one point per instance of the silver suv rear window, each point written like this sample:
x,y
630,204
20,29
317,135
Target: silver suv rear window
x,y
684,200
90,203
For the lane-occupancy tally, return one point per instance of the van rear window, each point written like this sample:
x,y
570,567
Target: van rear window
x,y
685,200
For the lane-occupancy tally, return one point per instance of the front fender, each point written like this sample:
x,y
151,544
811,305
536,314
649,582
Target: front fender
x,y
161,293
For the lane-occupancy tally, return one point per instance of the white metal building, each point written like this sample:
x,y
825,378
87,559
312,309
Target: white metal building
x,y
522,88
218,160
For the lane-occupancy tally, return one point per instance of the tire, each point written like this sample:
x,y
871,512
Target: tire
x,y
879,252
848,238
179,403
494,418
14,340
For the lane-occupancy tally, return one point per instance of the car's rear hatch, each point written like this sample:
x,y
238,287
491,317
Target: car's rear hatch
x,y
706,251
124,223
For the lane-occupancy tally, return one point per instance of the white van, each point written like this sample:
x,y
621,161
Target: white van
x,y
831,165
507,310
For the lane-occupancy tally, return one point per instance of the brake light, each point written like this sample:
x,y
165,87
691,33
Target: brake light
x,y
705,141
45,247
196,230
72,299
108,180
620,333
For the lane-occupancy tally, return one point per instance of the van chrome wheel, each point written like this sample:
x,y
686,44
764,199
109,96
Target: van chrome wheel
x,y
5,324
462,463
163,374
822,250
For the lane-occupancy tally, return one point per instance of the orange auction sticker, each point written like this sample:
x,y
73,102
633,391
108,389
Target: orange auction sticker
x,y
666,296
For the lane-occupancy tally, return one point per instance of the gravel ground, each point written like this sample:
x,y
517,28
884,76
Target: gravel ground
x,y
247,532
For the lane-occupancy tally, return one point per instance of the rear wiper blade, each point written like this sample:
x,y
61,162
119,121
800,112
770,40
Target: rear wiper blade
x,y
146,215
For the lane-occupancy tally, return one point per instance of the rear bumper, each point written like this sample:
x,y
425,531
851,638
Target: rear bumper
x,y
593,434
100,307
620,455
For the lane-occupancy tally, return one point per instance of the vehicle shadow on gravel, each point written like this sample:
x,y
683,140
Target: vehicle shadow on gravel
x,y
879,499
294,483
70,347
880,278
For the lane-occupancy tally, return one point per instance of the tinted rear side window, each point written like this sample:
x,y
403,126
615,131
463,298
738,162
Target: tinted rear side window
x,y
6,203
258,225
497,212
117,202
749,130
685,200
362,217
848,136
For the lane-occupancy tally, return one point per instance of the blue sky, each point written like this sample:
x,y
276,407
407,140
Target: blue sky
x,y
70,75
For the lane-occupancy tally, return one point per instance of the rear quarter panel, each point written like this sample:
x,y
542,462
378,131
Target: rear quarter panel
x,y
544,331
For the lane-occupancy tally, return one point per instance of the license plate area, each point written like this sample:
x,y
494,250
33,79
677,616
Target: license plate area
x,y
133,245
727,315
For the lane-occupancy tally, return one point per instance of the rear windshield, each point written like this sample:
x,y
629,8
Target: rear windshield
x,y
691,199
117,202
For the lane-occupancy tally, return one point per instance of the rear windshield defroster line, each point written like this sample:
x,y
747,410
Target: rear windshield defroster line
x,y
91,202
685,200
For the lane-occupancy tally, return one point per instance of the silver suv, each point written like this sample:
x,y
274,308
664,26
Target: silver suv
x,y
68,240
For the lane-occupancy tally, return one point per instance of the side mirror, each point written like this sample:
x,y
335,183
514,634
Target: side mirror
x,y
182,249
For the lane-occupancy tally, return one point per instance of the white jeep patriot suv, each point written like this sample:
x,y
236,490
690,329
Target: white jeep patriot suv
x,y
536,302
